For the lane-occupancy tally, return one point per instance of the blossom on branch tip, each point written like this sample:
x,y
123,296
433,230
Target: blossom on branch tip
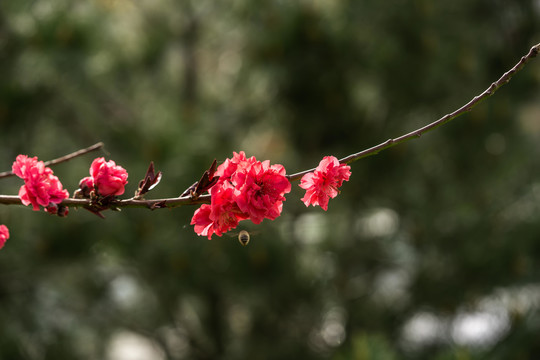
x,y
246,189
106,177
41,187
4,235
323,183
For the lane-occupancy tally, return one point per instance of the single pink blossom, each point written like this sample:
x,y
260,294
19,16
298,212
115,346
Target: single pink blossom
x,y
107,177
41,187
4,235
324,182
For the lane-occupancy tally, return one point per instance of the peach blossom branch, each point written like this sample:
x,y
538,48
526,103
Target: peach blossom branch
x,y
505,78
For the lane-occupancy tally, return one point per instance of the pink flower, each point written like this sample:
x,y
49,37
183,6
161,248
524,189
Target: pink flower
x,y
324,182
4,235
41,187
247,189
107,177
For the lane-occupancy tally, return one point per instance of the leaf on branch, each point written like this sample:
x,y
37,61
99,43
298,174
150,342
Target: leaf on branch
x,y
204,184
150,181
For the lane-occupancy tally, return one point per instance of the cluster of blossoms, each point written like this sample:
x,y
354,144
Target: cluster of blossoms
x,y
246,189
41,187
107,178
254,190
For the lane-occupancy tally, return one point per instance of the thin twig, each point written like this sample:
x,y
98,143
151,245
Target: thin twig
x,y
64,158
505,78
68,157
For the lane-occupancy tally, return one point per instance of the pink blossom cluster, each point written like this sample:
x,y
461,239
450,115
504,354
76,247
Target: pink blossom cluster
x,y
241,188
323,183
246,189
41,187
4,235
106,177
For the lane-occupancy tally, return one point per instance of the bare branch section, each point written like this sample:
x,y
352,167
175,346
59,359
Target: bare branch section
x,y
505,78
75,154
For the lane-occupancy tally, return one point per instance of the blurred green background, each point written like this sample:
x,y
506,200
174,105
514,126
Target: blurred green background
x,y
432,250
